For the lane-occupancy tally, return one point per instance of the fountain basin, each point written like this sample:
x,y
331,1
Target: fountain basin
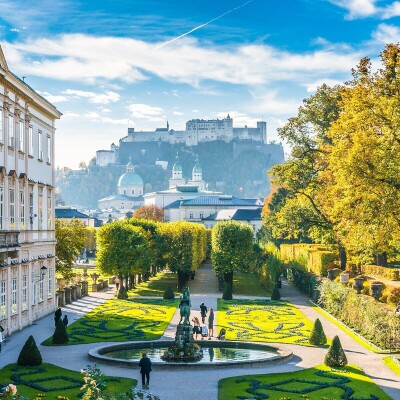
x,y
215,354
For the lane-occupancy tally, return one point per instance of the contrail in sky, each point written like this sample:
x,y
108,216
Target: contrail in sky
x,y
202,25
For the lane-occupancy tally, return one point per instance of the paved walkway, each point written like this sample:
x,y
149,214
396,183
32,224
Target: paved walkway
x,y
202,384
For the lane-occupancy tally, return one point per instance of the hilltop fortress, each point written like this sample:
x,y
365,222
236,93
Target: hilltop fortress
x,y
197,131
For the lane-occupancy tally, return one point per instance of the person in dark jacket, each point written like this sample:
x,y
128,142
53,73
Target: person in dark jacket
x,y
145,368
203,312
65,320
211,324
57,316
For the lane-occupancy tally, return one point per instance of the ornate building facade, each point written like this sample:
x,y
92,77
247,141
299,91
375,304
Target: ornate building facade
x,y
27,235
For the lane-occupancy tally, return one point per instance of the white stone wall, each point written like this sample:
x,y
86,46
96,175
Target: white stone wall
x,y
105,157
27,237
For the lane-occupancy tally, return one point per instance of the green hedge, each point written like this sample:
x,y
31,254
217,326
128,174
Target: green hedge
x,y
375,271
305,281
366,317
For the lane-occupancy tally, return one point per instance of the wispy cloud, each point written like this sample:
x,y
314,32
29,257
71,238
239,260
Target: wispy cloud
x,y
368,8
81,57
147,112
53,98
94,98
386,34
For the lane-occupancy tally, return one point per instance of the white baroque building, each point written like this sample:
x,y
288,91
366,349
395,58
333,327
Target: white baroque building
x,y
27,236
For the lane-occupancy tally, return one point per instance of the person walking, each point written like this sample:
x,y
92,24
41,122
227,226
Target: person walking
x,y
211,324
1,336
116,283
145,368
196,326
203,312
65,320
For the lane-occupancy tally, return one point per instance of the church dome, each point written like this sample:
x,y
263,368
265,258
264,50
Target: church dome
x,y
177,167
197,169
130,179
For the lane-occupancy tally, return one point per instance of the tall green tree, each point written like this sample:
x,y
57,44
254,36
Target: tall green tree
x,y
70,241
232,249
122,250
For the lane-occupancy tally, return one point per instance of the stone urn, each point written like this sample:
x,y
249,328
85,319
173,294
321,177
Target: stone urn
x,y
344,277
376,289
358,283
331,274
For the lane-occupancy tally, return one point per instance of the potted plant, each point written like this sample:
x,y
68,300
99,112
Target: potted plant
x,y
376,289
359,283
344,277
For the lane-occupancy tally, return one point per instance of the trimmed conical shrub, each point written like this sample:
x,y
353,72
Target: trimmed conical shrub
x,y
317,336
275,293
168,293
335,356
30,354
122,293
227,295
60,334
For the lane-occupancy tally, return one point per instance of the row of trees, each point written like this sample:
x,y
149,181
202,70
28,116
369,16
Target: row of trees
x,y
341,184
142,247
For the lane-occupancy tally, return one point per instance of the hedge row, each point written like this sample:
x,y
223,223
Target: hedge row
x,y
375,271
366,317
314,258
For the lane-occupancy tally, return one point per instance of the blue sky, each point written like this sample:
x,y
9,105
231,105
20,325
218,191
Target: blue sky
x,y
107,64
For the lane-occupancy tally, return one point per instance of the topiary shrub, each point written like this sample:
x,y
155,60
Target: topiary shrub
x,y
122,293
30,354
317,336
168,293
335,356
227,295
275,293
60,334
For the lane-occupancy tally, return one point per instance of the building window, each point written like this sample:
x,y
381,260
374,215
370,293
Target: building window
x,y
40,139
22,136
12,208
24,292
22,209
3,310
40,209
33,289
11,130
1,126
133,191
50,284
14,296
1,206
191,215
49,210
41,289
30,133
124,191
48,149
201,215
31,214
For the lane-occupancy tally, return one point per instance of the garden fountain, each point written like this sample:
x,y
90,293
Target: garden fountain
x,y
184,351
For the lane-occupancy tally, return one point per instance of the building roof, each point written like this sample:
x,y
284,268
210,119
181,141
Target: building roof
x,y
220,200
130,179
236,215
122,197
69,213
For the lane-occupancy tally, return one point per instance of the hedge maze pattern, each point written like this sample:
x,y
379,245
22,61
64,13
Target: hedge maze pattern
x,y
264,321
303,387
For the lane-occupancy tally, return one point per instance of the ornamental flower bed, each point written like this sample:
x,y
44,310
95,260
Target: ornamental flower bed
x,y
122,320
317,383
263,321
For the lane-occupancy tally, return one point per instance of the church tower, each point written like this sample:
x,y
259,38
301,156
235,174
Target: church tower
x,y
197,177
177,174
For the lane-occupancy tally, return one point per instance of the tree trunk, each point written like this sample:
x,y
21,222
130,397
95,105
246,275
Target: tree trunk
x,y
139,278
342,257
131,281
381,259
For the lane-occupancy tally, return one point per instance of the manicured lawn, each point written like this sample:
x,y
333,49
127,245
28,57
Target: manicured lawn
x,y
248,284
156,285
319,383
50,381
263,321
122,320
393,363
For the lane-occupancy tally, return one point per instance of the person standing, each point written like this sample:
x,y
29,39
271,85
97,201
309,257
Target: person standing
x,y
196,327
57,315
211,324
1,336
116,283
65,320
203,312
145,368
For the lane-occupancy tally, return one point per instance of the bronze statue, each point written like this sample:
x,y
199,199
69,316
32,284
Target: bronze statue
x,y
184,306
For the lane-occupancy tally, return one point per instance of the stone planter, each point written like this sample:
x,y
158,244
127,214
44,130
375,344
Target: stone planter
x,y
344,277
358,284
85,288
376,290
